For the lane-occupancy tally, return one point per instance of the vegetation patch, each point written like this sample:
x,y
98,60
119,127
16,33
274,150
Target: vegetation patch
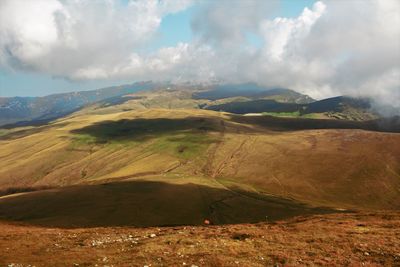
x,y
84,139
3,132
295,114
184,138
185,145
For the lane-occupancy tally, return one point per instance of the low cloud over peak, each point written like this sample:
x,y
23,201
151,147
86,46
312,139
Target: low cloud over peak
x,y
332,48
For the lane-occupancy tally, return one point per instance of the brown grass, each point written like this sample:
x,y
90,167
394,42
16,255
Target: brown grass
x,y
342,168
359,239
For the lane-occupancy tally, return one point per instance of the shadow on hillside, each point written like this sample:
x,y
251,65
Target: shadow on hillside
x,y
25,131
293,124
143,129
144,204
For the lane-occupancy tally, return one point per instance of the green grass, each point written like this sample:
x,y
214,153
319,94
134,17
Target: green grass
x,y
295,114
84,139
3,132
181,144
186,145
79,140
283,114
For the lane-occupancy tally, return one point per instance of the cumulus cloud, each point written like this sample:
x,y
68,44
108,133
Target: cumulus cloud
x,y
333,48
72,37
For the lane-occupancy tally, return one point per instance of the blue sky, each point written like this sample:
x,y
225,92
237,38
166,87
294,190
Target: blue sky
x,y
174,28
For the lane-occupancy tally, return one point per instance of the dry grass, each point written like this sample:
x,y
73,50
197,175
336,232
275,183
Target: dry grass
x,y
358,239
342,168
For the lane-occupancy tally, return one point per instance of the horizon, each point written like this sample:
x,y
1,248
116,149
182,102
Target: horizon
x,y
319,48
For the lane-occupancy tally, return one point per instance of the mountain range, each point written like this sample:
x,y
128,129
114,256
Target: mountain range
x,y
235,98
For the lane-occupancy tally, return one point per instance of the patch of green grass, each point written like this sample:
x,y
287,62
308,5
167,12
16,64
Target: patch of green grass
x,y
186,145
3,132
87,140
84,139
283,114
295,114
310,116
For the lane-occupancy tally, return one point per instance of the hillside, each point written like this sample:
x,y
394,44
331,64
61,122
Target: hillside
x,y
160,140
234,98
342,108
346,239
25,109
252,91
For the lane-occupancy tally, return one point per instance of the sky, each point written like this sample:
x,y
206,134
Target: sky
x,y
320,48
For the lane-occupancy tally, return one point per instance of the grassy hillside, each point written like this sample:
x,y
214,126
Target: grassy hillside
x,y
157,137
150,202
252,91
27,109
342,108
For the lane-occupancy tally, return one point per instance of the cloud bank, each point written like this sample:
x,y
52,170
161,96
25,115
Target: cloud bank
x,y
336,47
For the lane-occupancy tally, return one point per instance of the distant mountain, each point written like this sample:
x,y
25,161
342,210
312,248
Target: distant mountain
x,y
341,107
256,106
17,109
338,104
30,110
234,98
253,91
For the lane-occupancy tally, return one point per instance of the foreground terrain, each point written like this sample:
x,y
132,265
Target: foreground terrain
x,y
346,239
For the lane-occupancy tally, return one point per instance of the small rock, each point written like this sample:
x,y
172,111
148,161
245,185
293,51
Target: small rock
x,y
153,235
366,253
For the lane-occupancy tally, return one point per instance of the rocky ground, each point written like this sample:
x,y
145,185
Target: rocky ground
x,y
346,239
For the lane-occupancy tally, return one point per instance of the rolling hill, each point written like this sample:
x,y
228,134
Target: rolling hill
x,y
342,108
156,150
26,109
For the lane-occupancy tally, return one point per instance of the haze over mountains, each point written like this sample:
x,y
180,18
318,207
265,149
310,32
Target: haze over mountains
x,y
239,98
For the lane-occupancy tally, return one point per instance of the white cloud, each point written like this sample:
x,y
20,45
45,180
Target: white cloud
x,y
335,47
68,37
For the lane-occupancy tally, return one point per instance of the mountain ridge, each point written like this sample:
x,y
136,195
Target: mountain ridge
x,y
19,111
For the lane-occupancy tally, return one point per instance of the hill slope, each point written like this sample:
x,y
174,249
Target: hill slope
x,y
17,109
251,163
344,108
369,239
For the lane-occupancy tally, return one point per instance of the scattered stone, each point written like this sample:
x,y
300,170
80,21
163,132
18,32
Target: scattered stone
x,y
240,236
153,235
